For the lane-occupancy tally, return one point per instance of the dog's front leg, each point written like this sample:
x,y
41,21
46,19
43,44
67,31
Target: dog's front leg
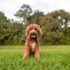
x,y
26,52
37,54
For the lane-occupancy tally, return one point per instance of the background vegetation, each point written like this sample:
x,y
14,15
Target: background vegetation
x,y
55,26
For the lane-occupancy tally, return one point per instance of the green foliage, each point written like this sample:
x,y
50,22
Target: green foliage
x,y
36,17
13,32
51,58
24,12
61,15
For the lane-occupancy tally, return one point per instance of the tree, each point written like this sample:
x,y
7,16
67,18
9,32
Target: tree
x,y
4,30
36,17
24,12
61,16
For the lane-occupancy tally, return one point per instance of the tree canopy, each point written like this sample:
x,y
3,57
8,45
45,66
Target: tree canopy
x,y
55,26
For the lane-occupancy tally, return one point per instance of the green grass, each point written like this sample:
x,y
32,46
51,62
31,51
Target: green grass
x,y
52,58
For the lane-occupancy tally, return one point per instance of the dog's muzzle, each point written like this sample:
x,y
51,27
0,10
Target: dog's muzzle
x,y
33,36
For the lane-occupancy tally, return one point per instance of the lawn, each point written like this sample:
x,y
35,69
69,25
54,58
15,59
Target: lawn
x,y
52,58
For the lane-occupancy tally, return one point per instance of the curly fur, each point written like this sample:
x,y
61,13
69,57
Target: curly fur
x,y
32,45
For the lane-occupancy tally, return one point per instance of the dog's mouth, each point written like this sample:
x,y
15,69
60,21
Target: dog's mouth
x,y
33,36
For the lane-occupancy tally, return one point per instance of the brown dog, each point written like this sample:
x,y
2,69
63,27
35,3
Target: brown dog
x,y
33,31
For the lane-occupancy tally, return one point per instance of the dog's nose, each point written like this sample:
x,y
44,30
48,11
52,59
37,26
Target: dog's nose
x,y
34,33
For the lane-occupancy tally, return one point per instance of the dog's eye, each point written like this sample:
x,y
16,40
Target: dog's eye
x,y
31,28
35,29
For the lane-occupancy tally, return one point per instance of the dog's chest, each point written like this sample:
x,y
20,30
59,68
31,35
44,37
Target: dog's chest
x,y
33,46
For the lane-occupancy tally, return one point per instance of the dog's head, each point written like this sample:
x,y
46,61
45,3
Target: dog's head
x,y
33,31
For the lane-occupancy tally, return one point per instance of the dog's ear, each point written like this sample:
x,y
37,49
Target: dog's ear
x,y
27,31
39,30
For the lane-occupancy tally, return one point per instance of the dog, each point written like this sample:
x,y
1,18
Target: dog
x,y
33,32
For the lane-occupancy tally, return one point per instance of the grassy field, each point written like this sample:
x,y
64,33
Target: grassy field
x,y
52,58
